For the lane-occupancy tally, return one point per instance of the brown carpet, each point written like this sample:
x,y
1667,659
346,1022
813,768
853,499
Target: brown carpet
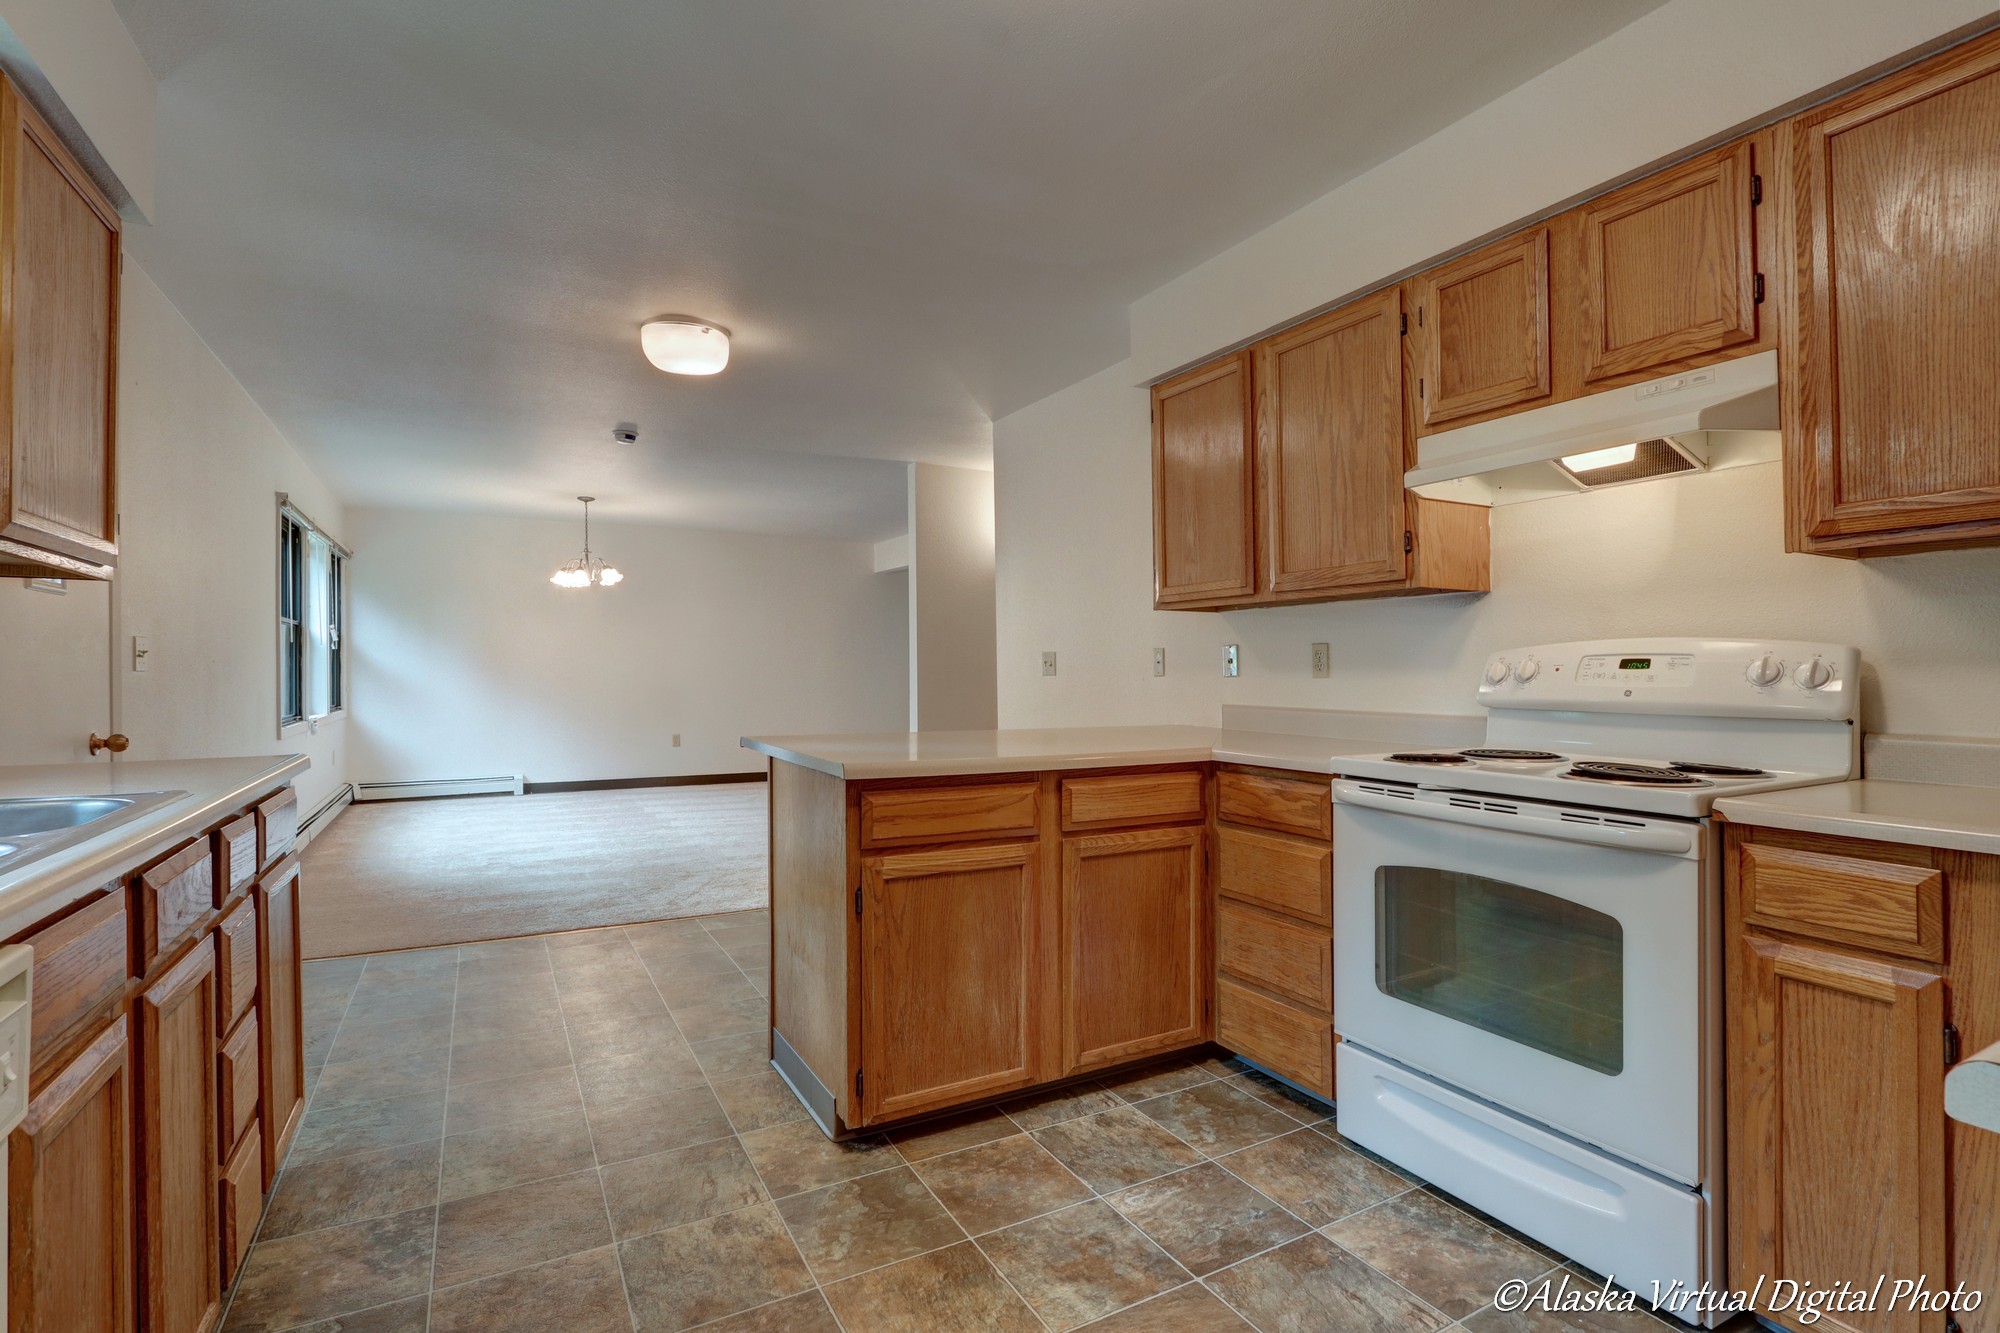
x,y
409,874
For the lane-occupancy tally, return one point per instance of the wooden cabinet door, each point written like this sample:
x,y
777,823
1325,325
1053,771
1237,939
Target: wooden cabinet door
x,y
69,1197
1134,945
180,1289
1669,266
952,977
59,261
1482,322
1897,330
1837,1127
281,1011
1330,433
1204,485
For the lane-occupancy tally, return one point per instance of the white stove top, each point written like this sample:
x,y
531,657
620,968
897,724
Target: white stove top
x,y
1579,717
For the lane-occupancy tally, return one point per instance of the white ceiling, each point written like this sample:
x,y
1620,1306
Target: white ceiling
x,y
423,233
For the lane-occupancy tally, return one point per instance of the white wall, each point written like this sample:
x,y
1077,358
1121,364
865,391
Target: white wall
x,y
951,599
468,663
80,54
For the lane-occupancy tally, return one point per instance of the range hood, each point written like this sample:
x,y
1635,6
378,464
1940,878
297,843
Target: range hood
x,y
1720,416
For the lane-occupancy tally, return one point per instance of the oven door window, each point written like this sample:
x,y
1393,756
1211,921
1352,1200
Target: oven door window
x,y
1516,962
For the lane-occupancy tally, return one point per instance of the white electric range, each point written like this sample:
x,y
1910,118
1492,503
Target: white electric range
x,y
1527,936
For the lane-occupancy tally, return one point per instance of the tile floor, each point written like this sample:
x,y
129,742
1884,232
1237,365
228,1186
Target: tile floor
x,y
580,1132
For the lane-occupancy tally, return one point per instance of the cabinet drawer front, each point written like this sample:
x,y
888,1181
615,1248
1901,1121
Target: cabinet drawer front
x,y
1882,905
1290,805
176,894
1279,955
236,850
945,814
277,825
1280,873
1131,798
236,968
80,963
240,1201
1281,1037
236,1084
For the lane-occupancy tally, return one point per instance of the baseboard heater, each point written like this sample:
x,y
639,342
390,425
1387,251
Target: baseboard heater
x,y
328,808
506,785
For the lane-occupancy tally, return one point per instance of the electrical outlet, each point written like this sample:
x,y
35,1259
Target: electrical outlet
x,y
1159,661
677,740
1048,664
1229,661
1322,661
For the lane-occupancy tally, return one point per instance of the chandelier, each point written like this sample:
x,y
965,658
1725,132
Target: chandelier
x,y
587,570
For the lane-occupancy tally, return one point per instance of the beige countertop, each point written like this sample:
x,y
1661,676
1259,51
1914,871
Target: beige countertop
x,y
1926,814
215,788
926,754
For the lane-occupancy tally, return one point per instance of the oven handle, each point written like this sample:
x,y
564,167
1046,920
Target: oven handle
x,y
1674,841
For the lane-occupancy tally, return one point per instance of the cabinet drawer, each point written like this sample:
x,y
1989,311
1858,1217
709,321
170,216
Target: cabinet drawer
x,y
1895,907
1130,798
1280,873
945,814
1279,955
236,966
277,825
81,962
1281,1037
236,1084
240,1202
236,856
1290,805
176,894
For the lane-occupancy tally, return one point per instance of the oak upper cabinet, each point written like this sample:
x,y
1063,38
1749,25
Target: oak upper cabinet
x,y
1204,485
1892,394
952,976
69,1194
1134,945
1667,267
1332,445
180,1289
59,263
1482,325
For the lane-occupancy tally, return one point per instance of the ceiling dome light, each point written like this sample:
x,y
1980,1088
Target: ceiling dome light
x,y
684,347
587,570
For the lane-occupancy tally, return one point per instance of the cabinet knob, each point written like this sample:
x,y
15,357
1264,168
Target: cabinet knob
x,y
115,742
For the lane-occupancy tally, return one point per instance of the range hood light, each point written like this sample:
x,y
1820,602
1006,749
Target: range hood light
x,y
1597,458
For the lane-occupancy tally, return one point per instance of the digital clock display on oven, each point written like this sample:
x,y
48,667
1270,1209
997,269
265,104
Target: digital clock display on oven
x,y
1672,669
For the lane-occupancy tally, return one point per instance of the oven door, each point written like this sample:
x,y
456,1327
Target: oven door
x,y
1550,960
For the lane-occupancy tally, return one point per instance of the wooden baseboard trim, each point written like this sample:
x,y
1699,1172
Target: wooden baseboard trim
x,y
623,784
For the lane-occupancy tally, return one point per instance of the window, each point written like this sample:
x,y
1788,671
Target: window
x,y
312,615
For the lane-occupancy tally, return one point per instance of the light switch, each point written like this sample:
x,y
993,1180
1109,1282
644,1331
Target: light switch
x,y
1228,659
1322,661
677,740
1048,664
1159,661
141,646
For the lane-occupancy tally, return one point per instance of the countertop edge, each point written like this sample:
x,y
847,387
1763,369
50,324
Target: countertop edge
x,y
46,886
1759,812
1226,747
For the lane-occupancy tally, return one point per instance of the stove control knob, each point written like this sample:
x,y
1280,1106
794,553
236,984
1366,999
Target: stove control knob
x,y
1527,669
1765,670
1496,671
1811,675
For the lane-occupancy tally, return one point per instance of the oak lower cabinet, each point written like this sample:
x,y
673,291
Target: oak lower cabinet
x,y
1856,971
281,1026
180,1288
1134,945
70,1196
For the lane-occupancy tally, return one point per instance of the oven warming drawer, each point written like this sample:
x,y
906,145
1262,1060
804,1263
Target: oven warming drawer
x,y
1609,1216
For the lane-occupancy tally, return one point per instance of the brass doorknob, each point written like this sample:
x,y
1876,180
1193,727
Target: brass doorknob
x,y
115,742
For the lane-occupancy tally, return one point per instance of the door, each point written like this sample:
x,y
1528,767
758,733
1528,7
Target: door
x,y
281,1018
1482,322
1503,952
1837,1127
1204,485
1899,256
179,1282
1330,427
952,977
1134,937
1669,267
60,252
69,1196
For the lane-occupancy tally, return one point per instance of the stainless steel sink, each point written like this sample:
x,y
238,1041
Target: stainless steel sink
x,y
32,827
